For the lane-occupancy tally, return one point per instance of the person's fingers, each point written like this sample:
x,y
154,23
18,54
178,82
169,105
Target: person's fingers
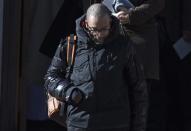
x,y
123,19
120,13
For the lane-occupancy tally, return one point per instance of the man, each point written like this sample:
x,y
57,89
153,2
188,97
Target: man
x,y
106,90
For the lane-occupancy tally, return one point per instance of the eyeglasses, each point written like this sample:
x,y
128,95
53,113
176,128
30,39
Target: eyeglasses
x,y
96,31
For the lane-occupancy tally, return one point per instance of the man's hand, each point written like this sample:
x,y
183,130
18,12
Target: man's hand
x,y
76,96
187,36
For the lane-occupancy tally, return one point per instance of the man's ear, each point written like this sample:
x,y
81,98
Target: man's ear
x,y
85,23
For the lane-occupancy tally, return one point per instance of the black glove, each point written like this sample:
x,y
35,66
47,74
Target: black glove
x,y
76,97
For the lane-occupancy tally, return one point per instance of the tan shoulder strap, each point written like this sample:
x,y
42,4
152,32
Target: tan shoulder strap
x,y
71,47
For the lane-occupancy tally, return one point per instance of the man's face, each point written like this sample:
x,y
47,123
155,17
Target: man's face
x,y
99,28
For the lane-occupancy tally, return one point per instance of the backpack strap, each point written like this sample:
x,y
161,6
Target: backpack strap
x,y
71,48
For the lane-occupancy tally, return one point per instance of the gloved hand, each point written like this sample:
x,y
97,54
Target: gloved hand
x,y
76,96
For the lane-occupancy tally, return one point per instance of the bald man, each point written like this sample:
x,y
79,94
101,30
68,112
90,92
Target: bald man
x,y
106,90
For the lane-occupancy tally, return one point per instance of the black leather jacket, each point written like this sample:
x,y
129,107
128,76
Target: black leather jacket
x,y
112,83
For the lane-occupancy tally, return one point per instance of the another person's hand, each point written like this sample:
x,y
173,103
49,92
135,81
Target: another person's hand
x,y
187,36
123,17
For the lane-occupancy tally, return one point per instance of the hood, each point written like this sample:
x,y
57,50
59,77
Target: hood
x,y
83,35
81,30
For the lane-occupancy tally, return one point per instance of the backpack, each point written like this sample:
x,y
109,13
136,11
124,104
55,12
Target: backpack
x,y
55,106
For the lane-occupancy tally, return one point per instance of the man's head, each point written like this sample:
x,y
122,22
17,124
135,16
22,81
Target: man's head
x,y
98,22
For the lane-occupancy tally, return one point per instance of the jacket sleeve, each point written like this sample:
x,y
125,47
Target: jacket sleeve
x,y
137,90
55,81
124,3
145,11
